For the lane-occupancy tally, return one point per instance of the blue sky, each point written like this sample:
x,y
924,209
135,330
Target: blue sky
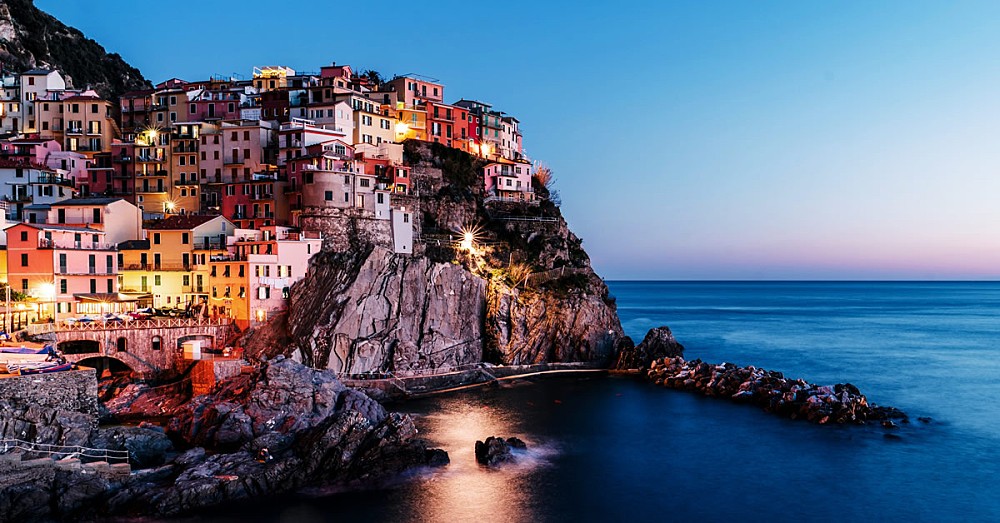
x,y
690,139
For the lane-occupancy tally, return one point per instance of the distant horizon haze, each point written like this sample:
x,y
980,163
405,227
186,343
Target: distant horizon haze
x,y
689,140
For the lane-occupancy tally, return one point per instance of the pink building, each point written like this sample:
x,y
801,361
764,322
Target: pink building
x,y
508,181
61,265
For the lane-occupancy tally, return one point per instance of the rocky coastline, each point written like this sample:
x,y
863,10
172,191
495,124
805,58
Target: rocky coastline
x,y
279,429
842,403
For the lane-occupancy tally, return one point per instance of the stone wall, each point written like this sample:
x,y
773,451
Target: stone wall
x,y
58,408
345,228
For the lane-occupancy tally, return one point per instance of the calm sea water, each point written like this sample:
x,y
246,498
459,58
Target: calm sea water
x,y
606,448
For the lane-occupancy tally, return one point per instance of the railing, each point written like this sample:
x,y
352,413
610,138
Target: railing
x,y
159,267
84,246
64,451
101,324
57,180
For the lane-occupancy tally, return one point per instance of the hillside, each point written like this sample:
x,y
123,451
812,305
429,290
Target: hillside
x,y
32,38
526,294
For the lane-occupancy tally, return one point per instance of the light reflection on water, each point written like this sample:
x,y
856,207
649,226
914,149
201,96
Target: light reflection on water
x,y
465,490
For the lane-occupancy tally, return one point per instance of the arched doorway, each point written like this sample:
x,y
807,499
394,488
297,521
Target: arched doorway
x,y
80,347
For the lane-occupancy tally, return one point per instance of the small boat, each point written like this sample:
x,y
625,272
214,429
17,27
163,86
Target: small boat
x,y
24,350
39,368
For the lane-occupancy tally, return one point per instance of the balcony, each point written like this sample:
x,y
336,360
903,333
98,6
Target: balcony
x,y
191,181
54,180
234,161
261,196
163,267
123,159
91,271
76,246
74,130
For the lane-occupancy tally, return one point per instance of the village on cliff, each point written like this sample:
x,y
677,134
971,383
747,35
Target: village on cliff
x,y
206,200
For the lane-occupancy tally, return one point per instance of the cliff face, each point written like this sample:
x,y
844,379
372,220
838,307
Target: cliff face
x,y
32,38
528,295
381,311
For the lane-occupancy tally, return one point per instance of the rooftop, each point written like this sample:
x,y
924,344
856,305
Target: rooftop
x,y
182,222
86,202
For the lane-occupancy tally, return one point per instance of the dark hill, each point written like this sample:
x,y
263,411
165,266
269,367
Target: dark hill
x,y
32,38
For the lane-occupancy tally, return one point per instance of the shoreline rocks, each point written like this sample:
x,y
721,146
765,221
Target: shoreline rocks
x,y
796,399
276,430
658,343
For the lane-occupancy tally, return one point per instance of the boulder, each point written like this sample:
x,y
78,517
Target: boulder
x,y
496,451
147,446
659,343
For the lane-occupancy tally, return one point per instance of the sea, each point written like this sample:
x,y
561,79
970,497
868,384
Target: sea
x,y
609,448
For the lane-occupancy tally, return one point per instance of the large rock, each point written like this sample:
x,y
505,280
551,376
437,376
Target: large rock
x,y
658,343
496,451
527,328
388,312
147,446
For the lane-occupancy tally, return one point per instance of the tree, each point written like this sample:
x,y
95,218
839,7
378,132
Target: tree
x,y
373,77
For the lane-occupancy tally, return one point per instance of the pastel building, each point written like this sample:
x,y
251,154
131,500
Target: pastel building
x,y
63,265
252,282
508,181
172,264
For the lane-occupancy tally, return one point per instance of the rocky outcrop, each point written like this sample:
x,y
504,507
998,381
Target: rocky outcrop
x,y
496,451
270,432
658,343
797,399
526,327
31,38
388,312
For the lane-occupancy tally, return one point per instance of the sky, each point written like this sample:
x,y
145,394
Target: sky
x,y
690,140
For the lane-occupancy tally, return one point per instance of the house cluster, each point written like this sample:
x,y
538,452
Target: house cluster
x,y
190,195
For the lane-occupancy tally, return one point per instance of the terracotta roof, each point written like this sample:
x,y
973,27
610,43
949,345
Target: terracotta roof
x,y
181,222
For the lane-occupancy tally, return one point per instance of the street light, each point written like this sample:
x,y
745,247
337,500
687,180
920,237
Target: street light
x,y
48,291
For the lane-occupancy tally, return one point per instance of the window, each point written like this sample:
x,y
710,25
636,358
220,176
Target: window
x,y
24,260
185,238
24,236
97,216
329,198
263,293
156,280
111,286
93,286
157,343
156,238
121,345
24,286
63,286
187,280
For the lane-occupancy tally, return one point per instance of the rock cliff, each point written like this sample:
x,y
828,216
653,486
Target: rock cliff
x,y
526,295
31,38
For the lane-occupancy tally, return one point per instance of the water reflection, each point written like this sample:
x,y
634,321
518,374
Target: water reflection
x,y
466,491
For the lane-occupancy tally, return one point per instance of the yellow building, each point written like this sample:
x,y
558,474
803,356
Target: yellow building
x,y
410,123
173,263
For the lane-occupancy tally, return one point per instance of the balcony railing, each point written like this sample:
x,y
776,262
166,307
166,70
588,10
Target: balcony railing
x,y
78,246
54,180
166,267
